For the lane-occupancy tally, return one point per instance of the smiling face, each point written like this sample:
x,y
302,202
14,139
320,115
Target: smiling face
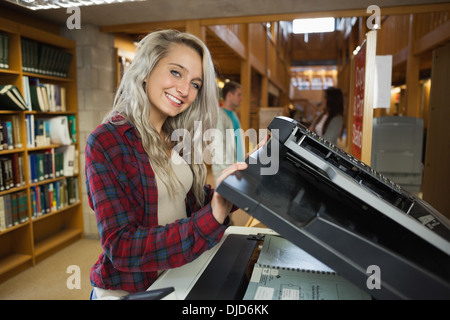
x,y
174,83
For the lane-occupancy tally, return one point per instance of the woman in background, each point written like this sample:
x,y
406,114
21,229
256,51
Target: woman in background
x,y
329,124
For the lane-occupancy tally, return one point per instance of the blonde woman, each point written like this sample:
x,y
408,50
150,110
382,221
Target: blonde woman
x,y
153,210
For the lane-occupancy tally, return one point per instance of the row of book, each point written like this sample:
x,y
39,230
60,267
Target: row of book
x,y
42,165
44,59
53,163
13,209
53,196
38,96
10,137
4,50
37,57
46,97
44,199
42,132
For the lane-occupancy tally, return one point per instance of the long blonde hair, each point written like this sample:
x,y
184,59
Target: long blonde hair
x,y
132,102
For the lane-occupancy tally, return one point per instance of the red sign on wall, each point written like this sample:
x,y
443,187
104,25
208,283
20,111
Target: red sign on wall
x,y
358,102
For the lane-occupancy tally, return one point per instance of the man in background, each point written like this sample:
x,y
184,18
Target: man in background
x,y
231,143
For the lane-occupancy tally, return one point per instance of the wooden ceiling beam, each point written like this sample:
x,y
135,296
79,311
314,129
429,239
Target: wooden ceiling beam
x,y
176,24
144,27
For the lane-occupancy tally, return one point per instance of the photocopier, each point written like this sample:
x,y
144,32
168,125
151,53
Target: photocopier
x,y
339,210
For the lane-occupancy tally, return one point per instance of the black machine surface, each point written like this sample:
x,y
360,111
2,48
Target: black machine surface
x,y
345,214
225,277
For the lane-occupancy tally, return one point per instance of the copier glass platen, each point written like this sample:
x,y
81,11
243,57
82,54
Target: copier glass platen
x,y
345,214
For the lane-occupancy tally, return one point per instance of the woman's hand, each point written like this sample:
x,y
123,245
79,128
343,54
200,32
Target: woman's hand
x,y
220,206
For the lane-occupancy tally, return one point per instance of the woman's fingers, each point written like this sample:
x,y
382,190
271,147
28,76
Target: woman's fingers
x,y
230,170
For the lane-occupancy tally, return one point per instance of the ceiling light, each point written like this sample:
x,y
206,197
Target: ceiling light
x,y
54,4
313,25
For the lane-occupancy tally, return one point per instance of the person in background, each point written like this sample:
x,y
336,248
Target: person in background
x,y
152,207
330,122
231,143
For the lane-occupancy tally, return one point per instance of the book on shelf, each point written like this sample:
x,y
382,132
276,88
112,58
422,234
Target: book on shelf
x,y
29,54
13,209
18,169
2,215
58,156
7,135
32,168
68,158
41,165
11,98
76,159
11,171
38,200
7,173
22,201
16,131
7,210
44,59
26,92
29,129
285,272
72,190
41,132
72,124
10,137
59,130
36,97
4,50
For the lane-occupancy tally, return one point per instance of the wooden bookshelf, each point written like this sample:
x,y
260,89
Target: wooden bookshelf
x,y
38,236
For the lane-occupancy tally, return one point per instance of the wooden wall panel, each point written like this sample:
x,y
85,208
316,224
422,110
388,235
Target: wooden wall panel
x,y
319,47
390,39
436,182
258,46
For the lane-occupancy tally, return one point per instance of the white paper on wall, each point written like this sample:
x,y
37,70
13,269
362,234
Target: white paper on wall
x,y
383,80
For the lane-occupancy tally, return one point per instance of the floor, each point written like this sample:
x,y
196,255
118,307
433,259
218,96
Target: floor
x,y
50,279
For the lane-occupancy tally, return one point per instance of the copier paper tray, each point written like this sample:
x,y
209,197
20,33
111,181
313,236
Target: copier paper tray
x,y
345,214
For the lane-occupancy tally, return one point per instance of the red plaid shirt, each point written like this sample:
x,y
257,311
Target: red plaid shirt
x,y
122,191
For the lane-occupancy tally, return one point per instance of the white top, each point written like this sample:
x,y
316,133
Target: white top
x,y
320,124
173,208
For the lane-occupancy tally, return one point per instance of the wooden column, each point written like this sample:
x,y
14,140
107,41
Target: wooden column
x,y
194,27
369,89
245,83
351,101
362,29
363,98
412,74
264,92
436,176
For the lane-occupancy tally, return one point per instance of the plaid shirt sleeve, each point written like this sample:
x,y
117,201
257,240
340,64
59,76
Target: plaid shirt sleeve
x,y
122,192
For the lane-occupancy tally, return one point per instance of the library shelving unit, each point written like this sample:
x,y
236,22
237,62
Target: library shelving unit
x,y
37,236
